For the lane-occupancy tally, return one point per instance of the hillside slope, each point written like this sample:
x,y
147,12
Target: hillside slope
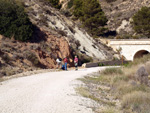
x,y
119,13
51,20
54,36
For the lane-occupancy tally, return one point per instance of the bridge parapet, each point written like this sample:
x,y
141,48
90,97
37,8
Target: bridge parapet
x,y
130,42
130,48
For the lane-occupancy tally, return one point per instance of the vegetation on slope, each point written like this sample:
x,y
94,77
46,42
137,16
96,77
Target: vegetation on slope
x,y
109,1
118,90
14,22
55,3
141,21
90,14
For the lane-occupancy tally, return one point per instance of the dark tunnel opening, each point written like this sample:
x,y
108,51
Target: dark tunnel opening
x,y
140,54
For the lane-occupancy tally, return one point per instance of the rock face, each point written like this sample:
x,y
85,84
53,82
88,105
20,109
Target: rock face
x,y
142,75
120,12
17,57
54,36
51,20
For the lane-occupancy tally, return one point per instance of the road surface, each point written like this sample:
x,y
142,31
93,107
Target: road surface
x,y
52,92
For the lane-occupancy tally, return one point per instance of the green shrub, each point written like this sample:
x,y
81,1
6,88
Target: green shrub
x,y
141,21
55,3
14,22
109,1
91,16
101,64
111,71
70,4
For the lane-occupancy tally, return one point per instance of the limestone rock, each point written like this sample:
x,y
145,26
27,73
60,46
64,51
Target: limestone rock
x,y
142,75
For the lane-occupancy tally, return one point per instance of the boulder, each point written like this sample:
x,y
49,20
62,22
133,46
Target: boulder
x,y
142,75
147,67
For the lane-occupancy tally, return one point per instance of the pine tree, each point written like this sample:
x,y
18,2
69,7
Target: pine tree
x,y
141,21
91,15
14,22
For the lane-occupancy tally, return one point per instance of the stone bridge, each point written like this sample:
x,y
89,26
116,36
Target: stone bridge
x,y
131,48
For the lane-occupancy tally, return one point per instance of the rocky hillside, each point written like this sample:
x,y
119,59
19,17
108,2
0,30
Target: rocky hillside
x,y
17,57
54,36
51,20
119,13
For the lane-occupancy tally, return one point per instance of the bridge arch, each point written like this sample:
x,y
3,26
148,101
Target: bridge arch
x,y
140,54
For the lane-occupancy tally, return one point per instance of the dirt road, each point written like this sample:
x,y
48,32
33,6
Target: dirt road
x,y
52,92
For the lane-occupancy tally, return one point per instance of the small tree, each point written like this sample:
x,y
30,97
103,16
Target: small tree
x,y
141,21
91,15
14,22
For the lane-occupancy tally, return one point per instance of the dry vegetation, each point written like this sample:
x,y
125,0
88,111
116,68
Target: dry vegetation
x,y
117,89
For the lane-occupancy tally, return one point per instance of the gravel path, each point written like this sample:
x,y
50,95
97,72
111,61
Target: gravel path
x,y
51,92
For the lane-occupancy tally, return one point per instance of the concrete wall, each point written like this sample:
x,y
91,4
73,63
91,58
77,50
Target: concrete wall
x,y
130,47
105,63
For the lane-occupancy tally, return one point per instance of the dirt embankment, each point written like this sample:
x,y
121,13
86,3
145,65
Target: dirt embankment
x,y
17,57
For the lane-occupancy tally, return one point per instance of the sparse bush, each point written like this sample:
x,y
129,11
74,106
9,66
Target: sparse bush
x,y
137,101
33,58
101,64
55,3
6,58
112,71
63,33
14,22
70,4
118,37
141,21
109,1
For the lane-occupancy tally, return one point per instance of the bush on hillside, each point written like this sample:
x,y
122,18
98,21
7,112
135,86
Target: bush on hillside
x,y
109,1
14,22
141,21
70,4
55,3
91,16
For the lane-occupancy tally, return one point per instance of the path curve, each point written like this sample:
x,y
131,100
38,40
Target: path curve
x,y
51,92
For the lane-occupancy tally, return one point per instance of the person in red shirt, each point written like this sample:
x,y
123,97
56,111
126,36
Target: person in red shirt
x,y
65,62
76,62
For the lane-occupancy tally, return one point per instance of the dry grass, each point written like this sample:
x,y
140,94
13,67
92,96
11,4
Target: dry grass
x,y
109,110
124,88
112,71
83,91
142,60
138,101
134,96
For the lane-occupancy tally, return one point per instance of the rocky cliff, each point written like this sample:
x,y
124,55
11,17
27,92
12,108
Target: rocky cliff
x,y
51,20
